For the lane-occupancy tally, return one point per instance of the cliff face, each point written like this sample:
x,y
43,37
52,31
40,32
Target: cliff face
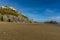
x,y
9,14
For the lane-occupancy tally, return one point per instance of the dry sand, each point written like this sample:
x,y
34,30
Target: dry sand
x,y
18,31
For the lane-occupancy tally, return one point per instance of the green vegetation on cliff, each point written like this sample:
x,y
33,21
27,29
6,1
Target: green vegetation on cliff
x,y
5,10
8,11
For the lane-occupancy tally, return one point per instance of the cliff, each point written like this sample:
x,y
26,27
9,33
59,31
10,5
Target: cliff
x,y
10,14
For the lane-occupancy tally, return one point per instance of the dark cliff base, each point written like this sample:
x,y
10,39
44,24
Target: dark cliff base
x,y
20,31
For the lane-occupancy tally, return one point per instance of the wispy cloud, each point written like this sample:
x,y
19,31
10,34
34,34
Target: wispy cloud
x,y
49,11
55,17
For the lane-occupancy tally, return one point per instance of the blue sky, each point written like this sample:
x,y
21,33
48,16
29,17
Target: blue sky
x,y
38,10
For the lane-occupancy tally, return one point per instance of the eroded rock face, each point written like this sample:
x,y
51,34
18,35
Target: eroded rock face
x,y
5,18
10,18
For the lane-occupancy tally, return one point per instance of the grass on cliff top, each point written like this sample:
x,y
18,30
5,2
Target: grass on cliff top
x,y
8,11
